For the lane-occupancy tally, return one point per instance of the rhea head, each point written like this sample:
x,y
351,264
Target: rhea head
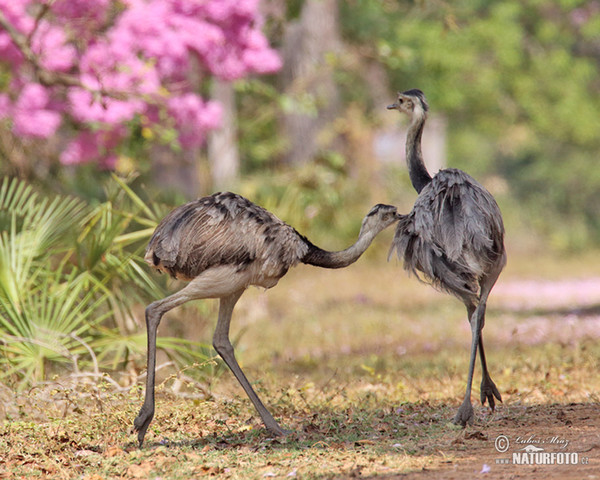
x,y
412,102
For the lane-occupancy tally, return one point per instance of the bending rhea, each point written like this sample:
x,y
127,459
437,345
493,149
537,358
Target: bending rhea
x,y
454,236
222,244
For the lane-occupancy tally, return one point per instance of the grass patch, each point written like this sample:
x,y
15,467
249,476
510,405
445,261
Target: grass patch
x,y
364,366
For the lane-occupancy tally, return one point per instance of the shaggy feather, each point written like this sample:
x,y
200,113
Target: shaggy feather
x,y
227,229
224,229
452,235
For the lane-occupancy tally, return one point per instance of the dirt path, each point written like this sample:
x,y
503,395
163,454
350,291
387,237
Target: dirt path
x,y
556,433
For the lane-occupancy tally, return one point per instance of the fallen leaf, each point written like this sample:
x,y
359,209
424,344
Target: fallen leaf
x,y
113,451
139,471
84,453
208,470
358,443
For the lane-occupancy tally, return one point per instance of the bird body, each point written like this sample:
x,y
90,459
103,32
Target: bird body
x,y
222,244
454,236
225,229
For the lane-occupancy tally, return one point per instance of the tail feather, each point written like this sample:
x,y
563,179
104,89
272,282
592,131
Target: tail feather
x,y
450,225
430,264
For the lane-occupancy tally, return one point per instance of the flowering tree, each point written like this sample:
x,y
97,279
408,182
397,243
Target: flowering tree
x,y
103,64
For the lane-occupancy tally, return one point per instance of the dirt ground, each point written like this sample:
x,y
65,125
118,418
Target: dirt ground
x,y
371,401
571,430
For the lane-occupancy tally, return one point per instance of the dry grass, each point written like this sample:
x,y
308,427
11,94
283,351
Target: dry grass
x,y
364,365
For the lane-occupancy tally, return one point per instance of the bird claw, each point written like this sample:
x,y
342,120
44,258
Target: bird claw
x,y
277,431
464,415
488,392
141,424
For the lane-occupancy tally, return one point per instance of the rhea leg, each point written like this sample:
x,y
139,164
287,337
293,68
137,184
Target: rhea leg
x,y
477,321
488,387
225,350
154,313
465,411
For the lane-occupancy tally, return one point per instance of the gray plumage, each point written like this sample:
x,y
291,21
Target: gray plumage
x,y
453,235
453,238
222,244
224,229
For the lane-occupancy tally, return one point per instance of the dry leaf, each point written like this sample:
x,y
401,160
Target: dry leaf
x,y
113,451
139,471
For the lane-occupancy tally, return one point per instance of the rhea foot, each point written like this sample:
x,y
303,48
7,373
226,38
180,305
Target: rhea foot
x,y
142,422
464,415
277,431
489,391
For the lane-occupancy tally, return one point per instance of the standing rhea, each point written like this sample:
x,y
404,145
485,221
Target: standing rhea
x,y
222,244
454,235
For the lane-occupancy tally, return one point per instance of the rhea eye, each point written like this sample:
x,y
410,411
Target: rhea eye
x,y
400,101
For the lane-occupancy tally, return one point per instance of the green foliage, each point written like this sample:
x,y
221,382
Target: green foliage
x,y
259,106
518,83
71,280
319,200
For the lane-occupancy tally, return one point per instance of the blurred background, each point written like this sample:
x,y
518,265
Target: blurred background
x,y
300,128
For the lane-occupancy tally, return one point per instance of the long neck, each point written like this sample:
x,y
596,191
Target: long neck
x,y
322,258
419,176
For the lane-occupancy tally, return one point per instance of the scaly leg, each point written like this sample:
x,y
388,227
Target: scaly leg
x,y
154,313
465,411
488,387
225,350
477,321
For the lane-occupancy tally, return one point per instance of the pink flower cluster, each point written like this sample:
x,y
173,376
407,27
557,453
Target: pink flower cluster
x,y
137,64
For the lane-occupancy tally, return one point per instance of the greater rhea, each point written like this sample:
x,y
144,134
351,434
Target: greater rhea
x,y
454,236
222,244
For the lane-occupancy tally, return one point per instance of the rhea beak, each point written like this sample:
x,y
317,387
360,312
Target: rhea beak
x,y
393,106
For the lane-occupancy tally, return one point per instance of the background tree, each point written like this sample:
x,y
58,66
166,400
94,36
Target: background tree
x,y
93,75
310,45
518,82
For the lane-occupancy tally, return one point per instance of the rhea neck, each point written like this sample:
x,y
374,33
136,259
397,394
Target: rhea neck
x,y
419,176
322,258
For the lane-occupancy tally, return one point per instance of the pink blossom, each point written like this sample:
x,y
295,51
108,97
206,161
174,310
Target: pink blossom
x,y
81,150
32,118
193,117
262,60
50,44
8,52
86,107
144,55
82,11
92,147
226,10
15,12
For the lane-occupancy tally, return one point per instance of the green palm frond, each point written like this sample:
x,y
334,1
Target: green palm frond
x,y
50,322
72,281
30,228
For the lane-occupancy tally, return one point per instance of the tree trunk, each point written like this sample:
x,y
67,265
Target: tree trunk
x,y
309,46
223,155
